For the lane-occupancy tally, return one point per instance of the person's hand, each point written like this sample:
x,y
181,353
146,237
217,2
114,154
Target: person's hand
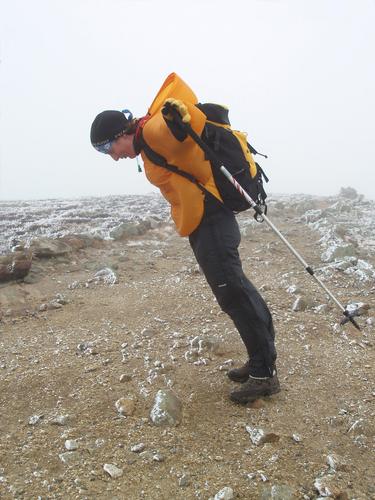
x,y
177,105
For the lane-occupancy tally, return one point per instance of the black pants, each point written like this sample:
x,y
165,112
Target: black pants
x,y
215,246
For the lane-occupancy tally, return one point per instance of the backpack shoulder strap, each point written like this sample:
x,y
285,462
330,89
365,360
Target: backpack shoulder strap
x,y
160,161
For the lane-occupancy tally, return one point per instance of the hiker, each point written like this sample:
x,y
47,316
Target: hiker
x,y
202,207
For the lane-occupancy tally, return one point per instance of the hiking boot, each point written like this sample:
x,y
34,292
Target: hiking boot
x,y
240,374
255,388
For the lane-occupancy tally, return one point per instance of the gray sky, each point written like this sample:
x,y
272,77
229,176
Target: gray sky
x,y
297,75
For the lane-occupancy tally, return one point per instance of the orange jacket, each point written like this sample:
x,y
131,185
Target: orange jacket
x,y
185,198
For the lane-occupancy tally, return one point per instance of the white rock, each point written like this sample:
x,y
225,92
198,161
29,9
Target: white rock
x,y
71,444
35,419
326,486
322,308
74,285
360,307
259,436
296,438
294,289
299,304
338,251
70,457
224,494
336,463
206,344
107,276
157,253
113,471
137,448
167,409
158,457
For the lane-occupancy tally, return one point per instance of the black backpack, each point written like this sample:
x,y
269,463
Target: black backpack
x,y
222,146
230,148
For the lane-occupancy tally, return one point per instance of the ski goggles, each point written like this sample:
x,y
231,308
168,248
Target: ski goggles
x,y
105,148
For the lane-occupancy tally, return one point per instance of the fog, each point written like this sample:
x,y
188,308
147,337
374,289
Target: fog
x,y
298,76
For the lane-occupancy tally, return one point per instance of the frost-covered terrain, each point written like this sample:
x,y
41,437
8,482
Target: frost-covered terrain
x,y
95,216
98,337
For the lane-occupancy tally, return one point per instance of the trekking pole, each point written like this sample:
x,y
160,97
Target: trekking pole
x,y
348,314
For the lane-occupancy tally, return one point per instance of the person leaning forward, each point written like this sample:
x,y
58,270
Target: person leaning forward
x,y
201,216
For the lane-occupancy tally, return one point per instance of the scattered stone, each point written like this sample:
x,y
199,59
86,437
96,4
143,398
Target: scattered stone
x,y
138,448
53,304
191,355
259,436
70,457
206,345
148,332
81,241
125,377
158,457
184,481
311,215
86,348
146,456
106,276
299,304
358,430
326,486
296,438
278,492
224,494
338,251
167,409
362,270
35,419
337,328
361,307
125,406
61,299
157,253
71,444
60,420
45,248
346,263
113,471
293,289
322,308
127,230
226,365
15,266
336,463
75,284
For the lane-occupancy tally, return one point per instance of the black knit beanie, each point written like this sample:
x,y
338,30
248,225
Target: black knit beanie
x,y
108,126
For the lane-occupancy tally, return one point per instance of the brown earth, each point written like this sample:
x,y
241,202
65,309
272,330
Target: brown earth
x,y
326,372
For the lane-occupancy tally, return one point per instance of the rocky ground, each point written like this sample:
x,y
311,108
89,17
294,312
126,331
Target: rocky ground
x,y
114,355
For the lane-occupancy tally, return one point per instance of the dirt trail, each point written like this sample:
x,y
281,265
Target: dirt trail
x,y
69,361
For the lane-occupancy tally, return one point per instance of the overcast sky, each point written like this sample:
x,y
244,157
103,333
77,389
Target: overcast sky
x,y
297,75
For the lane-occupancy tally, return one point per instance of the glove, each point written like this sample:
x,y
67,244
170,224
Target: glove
x,y
179,106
